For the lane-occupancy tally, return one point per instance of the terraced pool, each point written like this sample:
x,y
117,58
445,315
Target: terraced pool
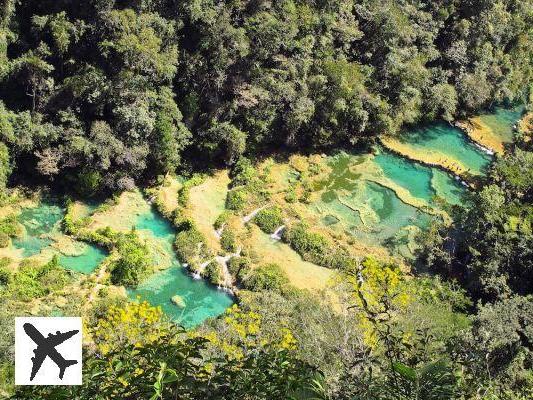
x,y
198,300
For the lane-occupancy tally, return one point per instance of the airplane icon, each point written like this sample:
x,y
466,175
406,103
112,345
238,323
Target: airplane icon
x,y
46,348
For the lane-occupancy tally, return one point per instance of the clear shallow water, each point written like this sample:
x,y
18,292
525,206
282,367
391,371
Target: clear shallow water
x,y
38,223
501,121
369,211
421,181
201,300
86,262
42,221
451,142
413,177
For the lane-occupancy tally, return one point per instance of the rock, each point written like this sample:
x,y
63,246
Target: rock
x,y
178,300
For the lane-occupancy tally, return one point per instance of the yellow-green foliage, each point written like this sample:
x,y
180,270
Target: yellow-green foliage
x,y
378,288
136,323
315,247
267,277
10,226
241,332
184,192
134,261
269,219
71,225
32,281
228,241
190,242
213,272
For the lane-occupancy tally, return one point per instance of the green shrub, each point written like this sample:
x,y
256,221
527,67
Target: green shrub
x,y
243,172
290,195
222,219
267,277
10,226
315,248
134,263
190,242
32,281
236,199
184,191
213,273
303,241
6,276
235,264
71,226
228,241
269,219
4,239
88,183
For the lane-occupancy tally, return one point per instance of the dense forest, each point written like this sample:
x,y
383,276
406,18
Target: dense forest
x,y
104,93
102,96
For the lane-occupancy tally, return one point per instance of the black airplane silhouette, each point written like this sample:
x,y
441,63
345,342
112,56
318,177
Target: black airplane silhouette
x,y
46,347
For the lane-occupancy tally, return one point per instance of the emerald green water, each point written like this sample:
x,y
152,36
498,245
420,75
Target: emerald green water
x,y
414,177
352,201
421,181
86,262
201,300
501,121
40,223
451,142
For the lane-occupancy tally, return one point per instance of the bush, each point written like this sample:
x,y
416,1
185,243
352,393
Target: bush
x,y
6,276
32,281
134,263
236,264
213,273
315,248
184,191
4,239
267,277
10,226
189,243
269,219
222,219
305,242
88,183
228,241
242,173
72,226
236,199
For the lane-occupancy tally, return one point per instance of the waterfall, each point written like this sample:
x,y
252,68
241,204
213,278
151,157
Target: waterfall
x,y
277,233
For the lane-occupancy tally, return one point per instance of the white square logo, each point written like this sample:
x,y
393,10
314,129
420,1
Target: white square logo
x,y
48,351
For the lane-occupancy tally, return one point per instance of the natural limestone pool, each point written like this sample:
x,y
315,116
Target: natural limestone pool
x,y
351,199
501,121
444,145
42,227
198,300
379,198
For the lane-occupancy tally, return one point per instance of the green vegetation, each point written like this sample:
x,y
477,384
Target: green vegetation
x,y
315,247
491,245
101,97
269,219
239,267
213,273
32,281
228,241
189,243
141,82
133,262
266,277
155,359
